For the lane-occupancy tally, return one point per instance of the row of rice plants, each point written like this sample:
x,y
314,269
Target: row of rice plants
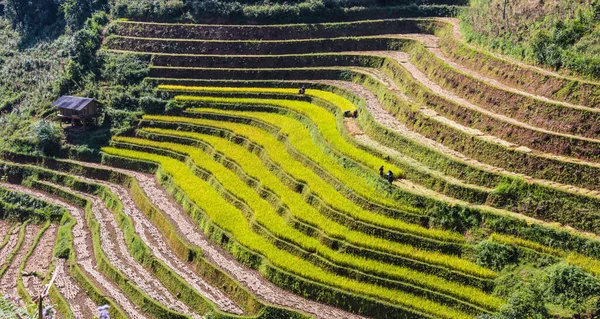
x,y
251,164
265,215
193,255
410,235
325,121
238,47
273,32
222,213
325,191
340,159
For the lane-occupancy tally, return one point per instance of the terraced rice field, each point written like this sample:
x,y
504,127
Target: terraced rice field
x,y
249,199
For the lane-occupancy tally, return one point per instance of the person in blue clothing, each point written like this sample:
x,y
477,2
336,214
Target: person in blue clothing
x,y
390,176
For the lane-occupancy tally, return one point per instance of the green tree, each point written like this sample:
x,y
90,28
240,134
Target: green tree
x,y
570,286
525,303
495,255
29,15
76,12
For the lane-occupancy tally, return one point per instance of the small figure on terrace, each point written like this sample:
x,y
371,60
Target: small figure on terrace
x,y
355,114
390,176
302,90
381,171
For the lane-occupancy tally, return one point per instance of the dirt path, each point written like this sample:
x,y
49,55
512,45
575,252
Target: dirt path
x,y
150,234
4,229
39,261
10,245
440,55
82,243
404,183
249,278
115,248
81,305
438,90
8,282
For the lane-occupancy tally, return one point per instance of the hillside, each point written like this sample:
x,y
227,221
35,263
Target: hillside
x,y
299,159
558,35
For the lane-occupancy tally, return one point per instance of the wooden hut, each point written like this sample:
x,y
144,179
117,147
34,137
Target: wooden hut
x,y
77,109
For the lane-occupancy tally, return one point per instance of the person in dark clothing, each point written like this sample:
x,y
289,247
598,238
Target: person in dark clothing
x,y
355,114
347,113
302,90
390,176
381,171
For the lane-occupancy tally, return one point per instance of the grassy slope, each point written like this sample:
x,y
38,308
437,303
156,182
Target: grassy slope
x,y
515,32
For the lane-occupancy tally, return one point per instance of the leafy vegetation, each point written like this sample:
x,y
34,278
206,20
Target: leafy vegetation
x,y
556,34
268,11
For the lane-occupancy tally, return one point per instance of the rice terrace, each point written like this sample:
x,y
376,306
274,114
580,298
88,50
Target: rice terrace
x,y
331,159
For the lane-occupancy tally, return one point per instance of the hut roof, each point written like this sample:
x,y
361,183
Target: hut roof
x,y
72,102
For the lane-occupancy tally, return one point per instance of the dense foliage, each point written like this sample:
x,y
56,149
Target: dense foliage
x,y
269,11
556,34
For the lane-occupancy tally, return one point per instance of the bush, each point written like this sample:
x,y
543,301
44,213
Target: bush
x,y
494,255
149,9
124,69
525,303
455,218
47,136
151,105
173,107
570,286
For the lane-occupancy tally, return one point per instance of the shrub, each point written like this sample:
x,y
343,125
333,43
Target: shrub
x,y
152,105
456,218
494,255
149,9
569,286
174,108
48,137
525,303
124,69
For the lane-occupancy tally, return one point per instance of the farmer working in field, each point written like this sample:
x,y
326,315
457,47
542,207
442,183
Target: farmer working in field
x,y
390,176
381,171
302,90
